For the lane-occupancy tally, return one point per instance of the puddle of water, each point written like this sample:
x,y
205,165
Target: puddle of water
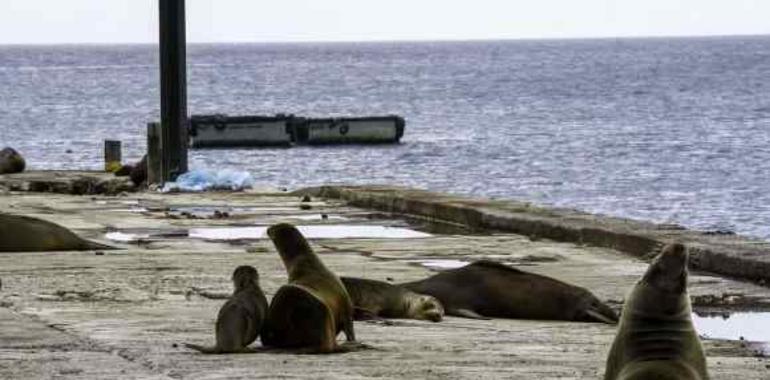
x,y
432,227
311,232
137,210
752,327
124,237
443,264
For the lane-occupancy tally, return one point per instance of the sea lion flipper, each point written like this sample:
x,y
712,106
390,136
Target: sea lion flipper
x,y
202,349
597,316
363,314
94,245
350,334
466,313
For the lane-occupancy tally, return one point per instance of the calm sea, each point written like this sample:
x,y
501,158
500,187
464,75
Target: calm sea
x,y
668,130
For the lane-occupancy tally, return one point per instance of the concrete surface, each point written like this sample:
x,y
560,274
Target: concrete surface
x,y
123,313
713,251
67,182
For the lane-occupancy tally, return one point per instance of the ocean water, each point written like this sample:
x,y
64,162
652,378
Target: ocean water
x,y
668,130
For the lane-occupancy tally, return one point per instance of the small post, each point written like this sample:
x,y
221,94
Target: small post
x,y
153,153
173,90
112,155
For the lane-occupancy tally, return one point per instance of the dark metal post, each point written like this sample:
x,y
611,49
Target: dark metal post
x,y
112,155
153,153
173,89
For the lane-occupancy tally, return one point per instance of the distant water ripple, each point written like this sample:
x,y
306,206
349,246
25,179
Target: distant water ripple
x,y
669,130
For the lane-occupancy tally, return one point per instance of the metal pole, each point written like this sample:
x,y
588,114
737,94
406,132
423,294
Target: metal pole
x,y
112,155
153,153
173,89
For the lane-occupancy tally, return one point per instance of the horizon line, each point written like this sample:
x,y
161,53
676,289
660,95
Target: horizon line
x,y
397,40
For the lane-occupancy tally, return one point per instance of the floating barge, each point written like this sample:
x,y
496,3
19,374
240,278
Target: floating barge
x,y
222,131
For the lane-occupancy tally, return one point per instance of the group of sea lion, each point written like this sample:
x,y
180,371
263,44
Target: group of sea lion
x,y
305,315
655,339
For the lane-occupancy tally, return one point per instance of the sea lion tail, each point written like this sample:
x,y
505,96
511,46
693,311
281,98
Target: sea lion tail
x,y
202,349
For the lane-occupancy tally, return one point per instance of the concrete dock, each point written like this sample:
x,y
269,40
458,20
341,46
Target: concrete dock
x,y
124,314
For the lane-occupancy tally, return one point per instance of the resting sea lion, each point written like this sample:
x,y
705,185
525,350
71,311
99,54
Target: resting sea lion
x,y
380,299
26,234
138,173
314,306
11,161
656,338
490,289
240,318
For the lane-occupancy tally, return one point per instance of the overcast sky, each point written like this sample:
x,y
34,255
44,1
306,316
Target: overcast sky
x,y
118,21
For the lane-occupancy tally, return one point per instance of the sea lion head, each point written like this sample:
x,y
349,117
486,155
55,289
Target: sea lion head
x,y
288,241
668,272
11,161
663,288
425,307
245,276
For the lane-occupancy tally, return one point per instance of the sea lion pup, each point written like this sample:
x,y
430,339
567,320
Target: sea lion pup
x,y
26,234
373,298
487,289
313,307
656,338
240,318
11,161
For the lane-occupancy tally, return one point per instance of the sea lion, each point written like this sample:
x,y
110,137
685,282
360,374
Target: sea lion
x,y
487,289
373,298
124,171
240,318
314,306
11,161
138,173
26,234
656,338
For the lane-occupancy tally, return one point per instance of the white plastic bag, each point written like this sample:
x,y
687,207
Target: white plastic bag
x,y
204,179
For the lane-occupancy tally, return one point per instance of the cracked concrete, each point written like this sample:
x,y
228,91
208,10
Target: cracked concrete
x,y
124,313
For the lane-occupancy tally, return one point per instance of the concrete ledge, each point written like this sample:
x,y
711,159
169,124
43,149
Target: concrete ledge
x,y
729,255
67,182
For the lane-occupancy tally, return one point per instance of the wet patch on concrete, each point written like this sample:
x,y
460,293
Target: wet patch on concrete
x,y
443,264
243,234
749,326
310,232
435,227
752,329
144,235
